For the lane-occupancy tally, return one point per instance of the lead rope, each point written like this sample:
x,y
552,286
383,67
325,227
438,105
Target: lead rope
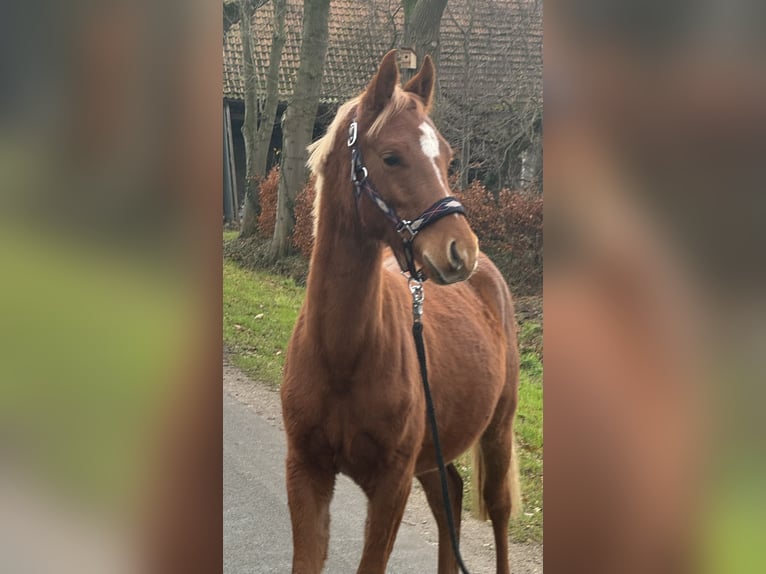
x,y
416,288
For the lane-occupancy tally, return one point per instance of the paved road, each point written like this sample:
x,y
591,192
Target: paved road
x,y
256,524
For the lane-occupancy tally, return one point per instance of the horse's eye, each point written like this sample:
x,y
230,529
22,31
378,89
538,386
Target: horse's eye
x,y
391,160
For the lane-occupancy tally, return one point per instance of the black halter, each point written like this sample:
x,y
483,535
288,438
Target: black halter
x,y
406,229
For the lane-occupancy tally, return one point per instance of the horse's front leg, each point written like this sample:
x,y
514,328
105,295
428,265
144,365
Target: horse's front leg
x,y
309,493
387,499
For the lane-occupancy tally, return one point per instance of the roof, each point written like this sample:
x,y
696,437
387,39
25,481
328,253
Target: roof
x,y
501,39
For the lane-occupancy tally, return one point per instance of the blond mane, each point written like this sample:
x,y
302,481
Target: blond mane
x,y
320,149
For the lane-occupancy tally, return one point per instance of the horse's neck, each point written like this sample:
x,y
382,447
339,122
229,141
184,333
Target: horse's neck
x,y
344,289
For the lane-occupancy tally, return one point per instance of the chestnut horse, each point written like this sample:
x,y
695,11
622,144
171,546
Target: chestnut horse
x,y
352,398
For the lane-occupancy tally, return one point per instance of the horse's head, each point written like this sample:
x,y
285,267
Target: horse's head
x,y
406,159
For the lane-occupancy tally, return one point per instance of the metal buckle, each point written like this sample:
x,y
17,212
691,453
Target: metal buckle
x,y
357,170
352,130
416,288
405,225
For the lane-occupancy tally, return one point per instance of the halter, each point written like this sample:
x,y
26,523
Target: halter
x,y
406,229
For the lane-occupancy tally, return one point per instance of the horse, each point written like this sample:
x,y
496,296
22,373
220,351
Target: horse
x,y
352,399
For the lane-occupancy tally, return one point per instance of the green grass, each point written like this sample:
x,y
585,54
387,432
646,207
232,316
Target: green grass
x,y
260,310
529,437
228,235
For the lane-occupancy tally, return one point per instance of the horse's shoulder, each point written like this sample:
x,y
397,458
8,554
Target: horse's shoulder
x,y
300,348
299,329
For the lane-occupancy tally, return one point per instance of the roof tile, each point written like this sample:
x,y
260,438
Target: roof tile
x,y
486,43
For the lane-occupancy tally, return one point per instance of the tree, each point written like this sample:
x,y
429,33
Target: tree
x,y
422,19
299,120
231,14
260,113
496,125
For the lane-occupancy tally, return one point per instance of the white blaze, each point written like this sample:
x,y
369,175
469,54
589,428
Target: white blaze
x,y
429,143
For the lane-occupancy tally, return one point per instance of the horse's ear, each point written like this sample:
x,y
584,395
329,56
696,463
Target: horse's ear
x,y
422,83
381,88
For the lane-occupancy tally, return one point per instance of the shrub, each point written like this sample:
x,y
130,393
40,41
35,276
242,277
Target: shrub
x,y
267,195
509,225
303,236
303,233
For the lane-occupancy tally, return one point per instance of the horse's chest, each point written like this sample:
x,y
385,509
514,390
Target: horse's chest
x,y
362,437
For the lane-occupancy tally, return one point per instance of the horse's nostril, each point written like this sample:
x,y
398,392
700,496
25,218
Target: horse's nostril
x,y
455,259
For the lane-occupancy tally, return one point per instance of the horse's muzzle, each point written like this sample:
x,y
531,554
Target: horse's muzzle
x,y
452,263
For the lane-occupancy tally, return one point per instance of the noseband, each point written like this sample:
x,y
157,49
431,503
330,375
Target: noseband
x,y
406,229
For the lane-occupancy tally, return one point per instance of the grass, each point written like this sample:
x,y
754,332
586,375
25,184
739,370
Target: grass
x,y
260,309
529,438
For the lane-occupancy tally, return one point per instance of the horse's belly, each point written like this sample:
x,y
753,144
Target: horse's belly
x,y
465,401
453,445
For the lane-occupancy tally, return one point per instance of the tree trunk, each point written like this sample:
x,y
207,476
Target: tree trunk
x,y
249,126
299,120
271,103
259,123
422,20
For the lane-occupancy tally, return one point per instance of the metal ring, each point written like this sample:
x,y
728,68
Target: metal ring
x,y
404,226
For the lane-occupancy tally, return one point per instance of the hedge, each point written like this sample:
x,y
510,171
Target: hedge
x,y
509,225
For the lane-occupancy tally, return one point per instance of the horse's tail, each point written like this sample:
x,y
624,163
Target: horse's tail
x,y
479,507
514,482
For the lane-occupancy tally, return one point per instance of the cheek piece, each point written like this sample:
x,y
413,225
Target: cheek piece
x,y
407,229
